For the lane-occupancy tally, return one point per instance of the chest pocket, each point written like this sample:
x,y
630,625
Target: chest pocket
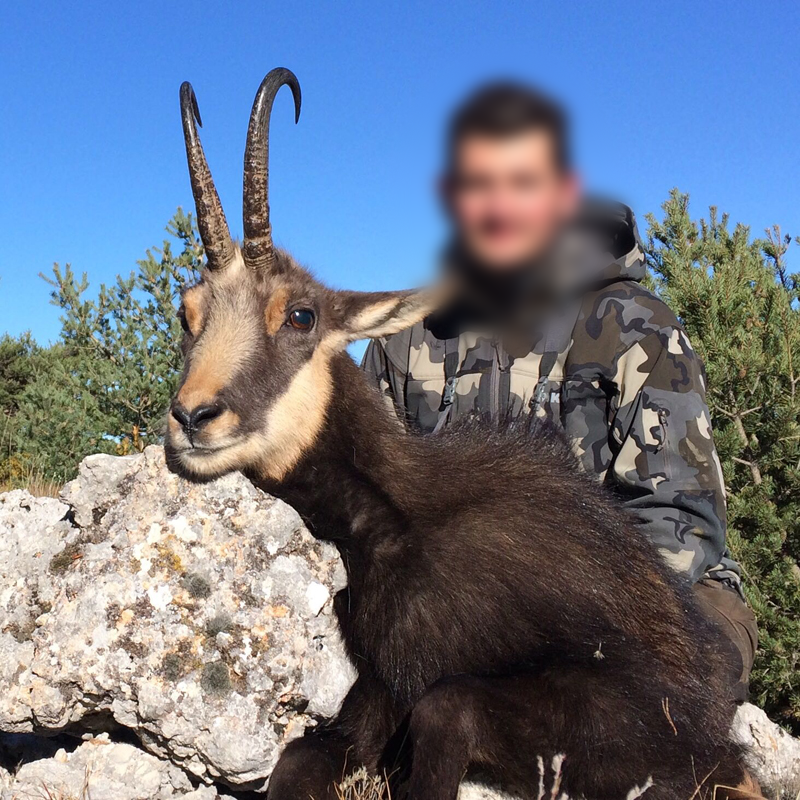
x,y
453,378
534,393
450,375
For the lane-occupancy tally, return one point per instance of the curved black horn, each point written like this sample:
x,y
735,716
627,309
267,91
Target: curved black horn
x,y
210,216
259,252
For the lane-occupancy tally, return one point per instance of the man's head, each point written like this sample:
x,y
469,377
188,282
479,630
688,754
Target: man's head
x,y
509,186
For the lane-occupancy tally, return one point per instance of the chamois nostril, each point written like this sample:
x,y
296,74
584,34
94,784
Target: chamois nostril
x,y
203,414
182,416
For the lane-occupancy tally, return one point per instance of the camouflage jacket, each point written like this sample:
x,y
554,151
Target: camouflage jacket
x,y
617,372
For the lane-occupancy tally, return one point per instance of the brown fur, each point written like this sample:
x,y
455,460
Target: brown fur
x,y
193,307
469,625
275,315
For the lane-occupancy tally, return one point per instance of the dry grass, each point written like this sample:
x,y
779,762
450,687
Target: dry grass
x,y
360,786
33,481
16,471
36,483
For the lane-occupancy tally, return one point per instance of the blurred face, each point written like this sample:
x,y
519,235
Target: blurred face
x,y
508,198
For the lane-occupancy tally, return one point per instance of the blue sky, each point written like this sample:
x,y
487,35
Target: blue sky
x,y
700,95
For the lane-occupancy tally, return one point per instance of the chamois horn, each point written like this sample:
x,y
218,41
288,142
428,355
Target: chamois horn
x,y
210,216
259,252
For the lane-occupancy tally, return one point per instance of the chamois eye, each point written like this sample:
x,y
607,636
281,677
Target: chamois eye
x,y
302,319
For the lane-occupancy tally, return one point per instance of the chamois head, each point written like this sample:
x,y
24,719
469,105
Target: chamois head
x,y
260,332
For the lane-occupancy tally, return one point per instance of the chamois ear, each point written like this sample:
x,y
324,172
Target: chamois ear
x,y
370,315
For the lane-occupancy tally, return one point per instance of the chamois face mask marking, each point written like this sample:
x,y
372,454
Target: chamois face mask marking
x,y
259,332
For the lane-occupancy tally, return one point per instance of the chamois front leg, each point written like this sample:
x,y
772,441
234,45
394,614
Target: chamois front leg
x,y
443,734
310,768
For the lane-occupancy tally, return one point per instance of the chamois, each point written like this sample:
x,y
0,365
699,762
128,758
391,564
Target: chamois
x,y
478,644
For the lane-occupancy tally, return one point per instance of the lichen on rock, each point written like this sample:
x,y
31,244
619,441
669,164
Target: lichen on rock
x,y
198,616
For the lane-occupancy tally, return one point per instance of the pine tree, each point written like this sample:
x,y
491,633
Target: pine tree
x,y
19,356
739,304
16,353
116,364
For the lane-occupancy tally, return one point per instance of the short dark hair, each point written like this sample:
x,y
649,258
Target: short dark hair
x,y
506,108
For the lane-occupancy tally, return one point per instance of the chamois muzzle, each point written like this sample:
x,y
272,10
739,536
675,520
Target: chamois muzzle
x,y
210,216
259,252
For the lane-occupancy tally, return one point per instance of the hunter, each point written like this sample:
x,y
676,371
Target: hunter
x,y
553,319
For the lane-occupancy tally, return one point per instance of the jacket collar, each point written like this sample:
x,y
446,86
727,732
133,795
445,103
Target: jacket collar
x,y
600,245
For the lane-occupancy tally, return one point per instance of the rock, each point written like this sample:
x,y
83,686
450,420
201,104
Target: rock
x,y
101,768
772,755
198,616
475,791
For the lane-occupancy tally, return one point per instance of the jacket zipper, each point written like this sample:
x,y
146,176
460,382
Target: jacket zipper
x,y
663,421
494,383
494,399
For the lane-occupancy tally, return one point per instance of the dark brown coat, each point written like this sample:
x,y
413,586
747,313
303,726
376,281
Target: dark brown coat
x,y
470,627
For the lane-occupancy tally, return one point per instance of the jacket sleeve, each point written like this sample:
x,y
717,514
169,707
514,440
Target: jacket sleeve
x,y
381,372
665,464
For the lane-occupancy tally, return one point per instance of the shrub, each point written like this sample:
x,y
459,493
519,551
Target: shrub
x,y
106,384
739,304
